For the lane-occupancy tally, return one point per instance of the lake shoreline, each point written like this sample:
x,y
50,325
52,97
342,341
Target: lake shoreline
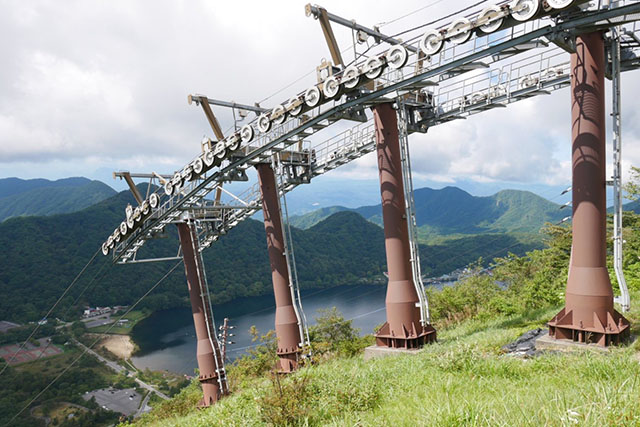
x,y
122,346
166,339
166,333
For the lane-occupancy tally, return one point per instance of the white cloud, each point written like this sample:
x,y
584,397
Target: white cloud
x,y
98,85
526,142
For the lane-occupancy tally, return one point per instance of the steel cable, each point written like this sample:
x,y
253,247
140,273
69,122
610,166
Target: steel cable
x,y
94,343
93,280
383,24
49,312
439,19
344,51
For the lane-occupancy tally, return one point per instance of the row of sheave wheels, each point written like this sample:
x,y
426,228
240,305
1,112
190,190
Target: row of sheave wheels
x,y
210,158
135,217
490,20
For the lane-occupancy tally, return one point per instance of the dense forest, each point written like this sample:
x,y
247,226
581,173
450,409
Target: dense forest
x,y
451,211
20,197
468,371
43,255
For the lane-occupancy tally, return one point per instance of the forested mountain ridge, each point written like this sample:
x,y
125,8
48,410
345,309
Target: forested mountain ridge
x,y
19,197
452,211
42,255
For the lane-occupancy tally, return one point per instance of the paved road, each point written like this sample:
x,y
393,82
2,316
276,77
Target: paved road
x,y
151,388
92,322
119,369
143,405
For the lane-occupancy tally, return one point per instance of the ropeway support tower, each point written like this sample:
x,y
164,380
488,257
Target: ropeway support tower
x,y
475,61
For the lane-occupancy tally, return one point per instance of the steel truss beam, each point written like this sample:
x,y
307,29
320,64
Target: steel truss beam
x,y
319,13
293,131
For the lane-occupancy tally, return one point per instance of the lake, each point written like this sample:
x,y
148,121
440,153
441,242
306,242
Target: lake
x,y
167,338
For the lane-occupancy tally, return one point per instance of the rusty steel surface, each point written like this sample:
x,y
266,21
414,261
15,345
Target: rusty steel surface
x,y
206,354
403,328
588,315
287,328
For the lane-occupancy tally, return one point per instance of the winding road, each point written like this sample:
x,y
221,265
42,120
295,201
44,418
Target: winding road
x,y
121,370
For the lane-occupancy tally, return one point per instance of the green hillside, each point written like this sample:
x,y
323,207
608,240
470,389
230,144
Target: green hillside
x,y
453,212
42,255
463,380
466,378
312,218
524,212
42,197
11,186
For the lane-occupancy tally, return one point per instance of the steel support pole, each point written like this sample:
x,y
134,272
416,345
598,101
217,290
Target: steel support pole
x,y
403,328
212,374
588,315
287,322
616,115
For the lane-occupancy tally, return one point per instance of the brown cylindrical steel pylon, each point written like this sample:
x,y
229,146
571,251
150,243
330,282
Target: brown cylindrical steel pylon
x,y
210,363
287,322
588,315
403,328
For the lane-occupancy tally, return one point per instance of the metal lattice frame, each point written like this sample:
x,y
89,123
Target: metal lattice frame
x,y
468,79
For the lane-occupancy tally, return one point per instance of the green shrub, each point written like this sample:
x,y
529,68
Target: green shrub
x,y
287,402
333,334
259,360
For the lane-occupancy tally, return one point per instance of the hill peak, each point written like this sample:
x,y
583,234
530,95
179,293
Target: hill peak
x,y
451,210
20,197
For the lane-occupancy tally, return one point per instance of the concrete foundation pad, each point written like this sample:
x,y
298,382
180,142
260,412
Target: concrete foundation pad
x,y
545,342
375,352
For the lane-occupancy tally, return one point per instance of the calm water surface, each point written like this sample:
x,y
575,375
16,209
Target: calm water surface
x,y
167,338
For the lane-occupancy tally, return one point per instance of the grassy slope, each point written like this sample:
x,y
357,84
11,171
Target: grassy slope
x,y
462,380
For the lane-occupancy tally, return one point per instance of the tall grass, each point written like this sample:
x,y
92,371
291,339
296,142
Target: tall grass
x,y
464,379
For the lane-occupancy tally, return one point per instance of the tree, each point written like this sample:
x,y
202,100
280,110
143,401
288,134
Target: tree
x,y
632,187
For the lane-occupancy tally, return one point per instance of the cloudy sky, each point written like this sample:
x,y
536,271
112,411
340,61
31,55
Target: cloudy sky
x,y
88,87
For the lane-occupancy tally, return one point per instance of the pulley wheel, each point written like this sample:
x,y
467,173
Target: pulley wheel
x,y
247,133
492,18
459,31
373,67
523,10
264,123
331,87
312,96
279,114
351,77
154,200
397,57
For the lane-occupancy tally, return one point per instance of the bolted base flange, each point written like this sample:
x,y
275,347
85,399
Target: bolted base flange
x,y
614,330
415,338
288,362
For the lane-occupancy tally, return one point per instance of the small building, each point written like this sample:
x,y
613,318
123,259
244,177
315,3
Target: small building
x,y
92,312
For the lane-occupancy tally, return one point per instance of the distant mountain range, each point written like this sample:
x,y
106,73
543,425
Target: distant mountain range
x,y
42,254
19,197
453,212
